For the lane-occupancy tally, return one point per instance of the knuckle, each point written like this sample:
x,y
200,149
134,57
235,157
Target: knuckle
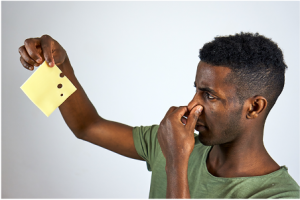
x,y
181,107
169,110
21,49
46,37
172,108
27,41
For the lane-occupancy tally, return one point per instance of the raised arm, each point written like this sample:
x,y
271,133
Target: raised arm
x,y
78,111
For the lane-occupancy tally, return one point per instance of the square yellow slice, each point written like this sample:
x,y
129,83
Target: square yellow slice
x,y
47,89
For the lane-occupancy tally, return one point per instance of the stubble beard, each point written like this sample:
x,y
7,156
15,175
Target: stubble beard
x,y
233,130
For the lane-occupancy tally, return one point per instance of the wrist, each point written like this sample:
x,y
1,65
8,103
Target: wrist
x,y
177,180
176,166
66,67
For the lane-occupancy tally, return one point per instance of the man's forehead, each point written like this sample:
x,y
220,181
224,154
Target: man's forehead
x,y
214,78
209,75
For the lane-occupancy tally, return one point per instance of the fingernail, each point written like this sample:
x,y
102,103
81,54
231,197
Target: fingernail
x,y
39,60
50,64
31,68
199,109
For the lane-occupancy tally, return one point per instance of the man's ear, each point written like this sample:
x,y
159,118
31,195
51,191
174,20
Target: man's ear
x,y
256,106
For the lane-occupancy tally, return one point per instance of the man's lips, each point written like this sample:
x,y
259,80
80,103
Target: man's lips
x,y
200,126
199,123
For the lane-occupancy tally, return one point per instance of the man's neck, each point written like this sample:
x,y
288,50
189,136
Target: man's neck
x,y
243,158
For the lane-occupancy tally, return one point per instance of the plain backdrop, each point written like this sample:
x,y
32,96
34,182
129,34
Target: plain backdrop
x,y
134,60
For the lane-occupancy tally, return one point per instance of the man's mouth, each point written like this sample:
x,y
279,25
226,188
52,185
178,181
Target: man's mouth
x,y
200,126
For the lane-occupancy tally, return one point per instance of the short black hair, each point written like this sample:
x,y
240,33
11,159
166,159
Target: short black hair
x,y
256,62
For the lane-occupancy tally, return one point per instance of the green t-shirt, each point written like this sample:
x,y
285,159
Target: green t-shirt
x,y
202,184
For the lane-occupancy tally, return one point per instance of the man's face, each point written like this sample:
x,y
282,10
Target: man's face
x,y
221,119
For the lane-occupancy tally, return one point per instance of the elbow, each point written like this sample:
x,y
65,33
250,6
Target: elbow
x,y
79,134
84,132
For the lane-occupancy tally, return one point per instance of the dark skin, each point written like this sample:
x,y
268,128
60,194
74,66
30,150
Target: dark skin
x,y
234,130
177,143
78,112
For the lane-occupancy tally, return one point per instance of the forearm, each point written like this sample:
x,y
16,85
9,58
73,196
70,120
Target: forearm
x,y
177,181
77,111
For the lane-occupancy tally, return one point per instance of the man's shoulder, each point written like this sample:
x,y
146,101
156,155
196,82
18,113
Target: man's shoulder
x,y
286,184
278,184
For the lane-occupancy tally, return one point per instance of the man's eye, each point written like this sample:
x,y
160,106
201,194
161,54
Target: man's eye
x,y
209,96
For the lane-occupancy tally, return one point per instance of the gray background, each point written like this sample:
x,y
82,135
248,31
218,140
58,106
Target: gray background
x,y
134,60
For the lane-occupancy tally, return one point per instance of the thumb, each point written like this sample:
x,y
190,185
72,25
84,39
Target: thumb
x,y
193,117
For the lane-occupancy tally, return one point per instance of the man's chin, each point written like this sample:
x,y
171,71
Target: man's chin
x,y
205,141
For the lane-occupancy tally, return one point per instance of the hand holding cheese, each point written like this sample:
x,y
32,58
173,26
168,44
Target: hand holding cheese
x,y
77,110
41,86
37,50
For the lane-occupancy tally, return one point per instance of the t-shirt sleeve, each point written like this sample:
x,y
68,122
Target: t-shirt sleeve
x,y
146,143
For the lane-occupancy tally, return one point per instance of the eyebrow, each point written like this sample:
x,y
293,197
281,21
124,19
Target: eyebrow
x,y
207,89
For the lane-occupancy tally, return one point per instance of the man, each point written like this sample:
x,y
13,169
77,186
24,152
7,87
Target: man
x,y
238,80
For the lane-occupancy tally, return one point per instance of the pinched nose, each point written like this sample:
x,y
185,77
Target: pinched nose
x,y
195,101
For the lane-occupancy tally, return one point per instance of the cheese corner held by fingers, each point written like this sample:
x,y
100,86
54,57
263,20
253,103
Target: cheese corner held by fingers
x,y
47,89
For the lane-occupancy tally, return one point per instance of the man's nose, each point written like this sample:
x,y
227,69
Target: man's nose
x,y
194,102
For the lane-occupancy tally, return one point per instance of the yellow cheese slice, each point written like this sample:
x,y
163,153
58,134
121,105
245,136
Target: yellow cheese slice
x,y
42,88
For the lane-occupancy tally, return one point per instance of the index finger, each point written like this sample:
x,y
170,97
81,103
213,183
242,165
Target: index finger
x,y
180,112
